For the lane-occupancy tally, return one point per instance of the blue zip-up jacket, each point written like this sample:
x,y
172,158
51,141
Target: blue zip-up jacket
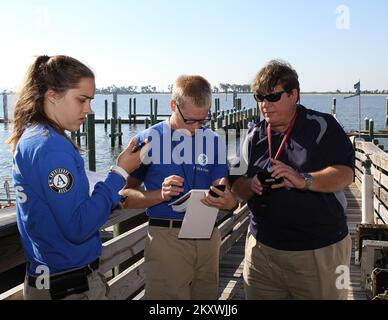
x,y
58,220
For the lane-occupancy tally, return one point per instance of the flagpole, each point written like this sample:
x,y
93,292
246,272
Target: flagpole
x,y
359,116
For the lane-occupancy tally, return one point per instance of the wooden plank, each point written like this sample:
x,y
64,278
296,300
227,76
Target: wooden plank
x,y
120,215
15,293
8,221
381,209
121,248
11,252
229,240
127,282
227,226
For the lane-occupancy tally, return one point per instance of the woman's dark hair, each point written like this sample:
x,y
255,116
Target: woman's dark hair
x,y
59,73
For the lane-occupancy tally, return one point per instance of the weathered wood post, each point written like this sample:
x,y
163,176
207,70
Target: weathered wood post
x,y
386,117
155,111
106,116
91,142
234,99
147,123
115,100
112,132
130,111
334,108
366,124
119,133
371,132
78,137
151,111
5,106
114,110
134,110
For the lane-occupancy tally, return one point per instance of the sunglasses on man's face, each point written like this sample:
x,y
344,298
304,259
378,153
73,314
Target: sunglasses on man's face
x,y
273,97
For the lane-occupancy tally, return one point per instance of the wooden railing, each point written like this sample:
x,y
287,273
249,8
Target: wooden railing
x,y
379,170
127,247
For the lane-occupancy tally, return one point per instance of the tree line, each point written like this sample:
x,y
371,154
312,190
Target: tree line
x,y
223,87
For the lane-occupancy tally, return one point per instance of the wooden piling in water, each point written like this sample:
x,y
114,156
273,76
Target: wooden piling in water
x,y
334,108
91,138
106,116
5,107
371,128
119,133
112,132
129,111
134,110
366,121
386,117
151,110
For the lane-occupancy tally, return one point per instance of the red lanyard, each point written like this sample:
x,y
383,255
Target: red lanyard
x,y
283,143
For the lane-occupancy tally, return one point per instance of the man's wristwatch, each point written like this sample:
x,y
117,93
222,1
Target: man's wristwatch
x,y
308,180
120,171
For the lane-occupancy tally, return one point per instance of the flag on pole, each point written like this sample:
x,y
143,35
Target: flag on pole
x,y
357,87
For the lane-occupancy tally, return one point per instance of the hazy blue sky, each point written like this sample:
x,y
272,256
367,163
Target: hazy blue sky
x,y
137,42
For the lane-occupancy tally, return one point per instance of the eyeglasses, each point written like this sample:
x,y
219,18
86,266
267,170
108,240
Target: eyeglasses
x,y
273,97
202,122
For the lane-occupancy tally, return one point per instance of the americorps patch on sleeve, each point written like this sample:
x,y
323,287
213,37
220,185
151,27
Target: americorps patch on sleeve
x,y
60,180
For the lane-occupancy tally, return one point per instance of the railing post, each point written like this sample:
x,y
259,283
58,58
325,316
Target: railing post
x,y
367,193
91,142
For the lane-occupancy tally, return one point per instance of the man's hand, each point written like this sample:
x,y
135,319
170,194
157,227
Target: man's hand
x,y
172,186
292,178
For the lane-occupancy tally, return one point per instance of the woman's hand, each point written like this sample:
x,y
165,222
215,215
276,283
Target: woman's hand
x,y
129,160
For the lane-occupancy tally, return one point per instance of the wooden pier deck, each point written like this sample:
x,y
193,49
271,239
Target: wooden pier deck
x,y
231,265
128,245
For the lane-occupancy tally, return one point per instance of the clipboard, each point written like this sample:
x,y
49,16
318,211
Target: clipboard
x,y
199,219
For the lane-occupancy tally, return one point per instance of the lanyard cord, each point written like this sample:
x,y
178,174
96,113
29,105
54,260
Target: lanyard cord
x,y
282,144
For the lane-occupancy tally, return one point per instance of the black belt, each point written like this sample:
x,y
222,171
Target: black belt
x,y
88,269
165,223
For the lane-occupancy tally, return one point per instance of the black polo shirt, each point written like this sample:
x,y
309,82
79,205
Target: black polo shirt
x,y
296,219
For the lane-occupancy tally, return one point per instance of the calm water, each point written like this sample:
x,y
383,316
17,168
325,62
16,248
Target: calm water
x,y
347,114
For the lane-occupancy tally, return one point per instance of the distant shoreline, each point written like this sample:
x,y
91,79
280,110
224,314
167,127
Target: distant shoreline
x,y
238,93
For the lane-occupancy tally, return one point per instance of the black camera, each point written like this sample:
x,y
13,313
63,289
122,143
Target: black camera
x,y
219,187
266,179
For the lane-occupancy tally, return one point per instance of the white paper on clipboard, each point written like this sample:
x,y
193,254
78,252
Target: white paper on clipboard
x,y
199,219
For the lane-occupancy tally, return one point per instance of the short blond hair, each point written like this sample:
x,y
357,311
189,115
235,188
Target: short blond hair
x,y
194,89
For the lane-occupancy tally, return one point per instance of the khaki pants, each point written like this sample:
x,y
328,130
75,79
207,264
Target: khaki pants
x,y
98,290
177,269
310,274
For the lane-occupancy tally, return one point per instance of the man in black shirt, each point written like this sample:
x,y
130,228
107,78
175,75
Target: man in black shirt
x,y
298,243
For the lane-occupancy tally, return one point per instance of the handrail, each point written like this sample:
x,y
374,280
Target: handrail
x,y
129,245
379,171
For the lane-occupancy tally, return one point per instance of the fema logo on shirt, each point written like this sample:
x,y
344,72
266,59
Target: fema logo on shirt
x,y
60,180
203,160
